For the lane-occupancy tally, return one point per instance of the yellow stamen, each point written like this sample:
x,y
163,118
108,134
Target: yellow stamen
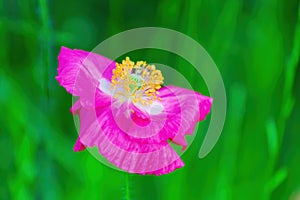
x,y
138,81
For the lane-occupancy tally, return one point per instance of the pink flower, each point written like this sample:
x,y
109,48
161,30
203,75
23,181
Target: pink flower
x,y
126,112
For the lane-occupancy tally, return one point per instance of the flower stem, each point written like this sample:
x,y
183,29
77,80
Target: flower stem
x,y
46,46
127,187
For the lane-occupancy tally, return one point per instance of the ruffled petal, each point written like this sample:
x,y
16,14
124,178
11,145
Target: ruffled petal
x,y
182,109
113,127
185,108
101,128
131,137
79,72
79,146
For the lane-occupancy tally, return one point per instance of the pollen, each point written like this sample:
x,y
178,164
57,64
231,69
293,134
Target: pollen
x,y
137,82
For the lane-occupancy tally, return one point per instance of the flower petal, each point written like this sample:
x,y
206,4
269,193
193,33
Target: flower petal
x,y
79,72
112,130
105,86
79,146
155,108
180,110
132,137
184,109
100,128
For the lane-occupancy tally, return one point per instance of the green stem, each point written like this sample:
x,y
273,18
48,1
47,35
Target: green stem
x,y
46,46
127,187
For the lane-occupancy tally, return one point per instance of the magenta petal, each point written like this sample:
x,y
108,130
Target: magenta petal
x,y
100,128
79,72
131,137
111,129
71,70
75,108
204,106
180,140
78,145
182,109
165,170
185,108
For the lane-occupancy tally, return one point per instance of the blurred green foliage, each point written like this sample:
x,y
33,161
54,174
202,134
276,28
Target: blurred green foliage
x,y
255,44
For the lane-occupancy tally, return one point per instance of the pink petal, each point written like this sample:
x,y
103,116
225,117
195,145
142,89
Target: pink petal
x,y
185,108
113,130
100,128
79,72
128,137
75,108
78,145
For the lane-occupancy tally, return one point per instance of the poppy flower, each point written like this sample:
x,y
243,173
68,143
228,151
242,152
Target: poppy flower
x,y
127,113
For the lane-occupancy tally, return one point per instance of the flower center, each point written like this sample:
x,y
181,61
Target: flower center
x,y
137,82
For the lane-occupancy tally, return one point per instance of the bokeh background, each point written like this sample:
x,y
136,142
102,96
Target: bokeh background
x,y
256,46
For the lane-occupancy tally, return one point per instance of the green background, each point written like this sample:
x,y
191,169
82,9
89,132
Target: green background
x,y
256,46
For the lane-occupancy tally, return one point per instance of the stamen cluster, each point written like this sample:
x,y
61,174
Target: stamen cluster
x,y
137,82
